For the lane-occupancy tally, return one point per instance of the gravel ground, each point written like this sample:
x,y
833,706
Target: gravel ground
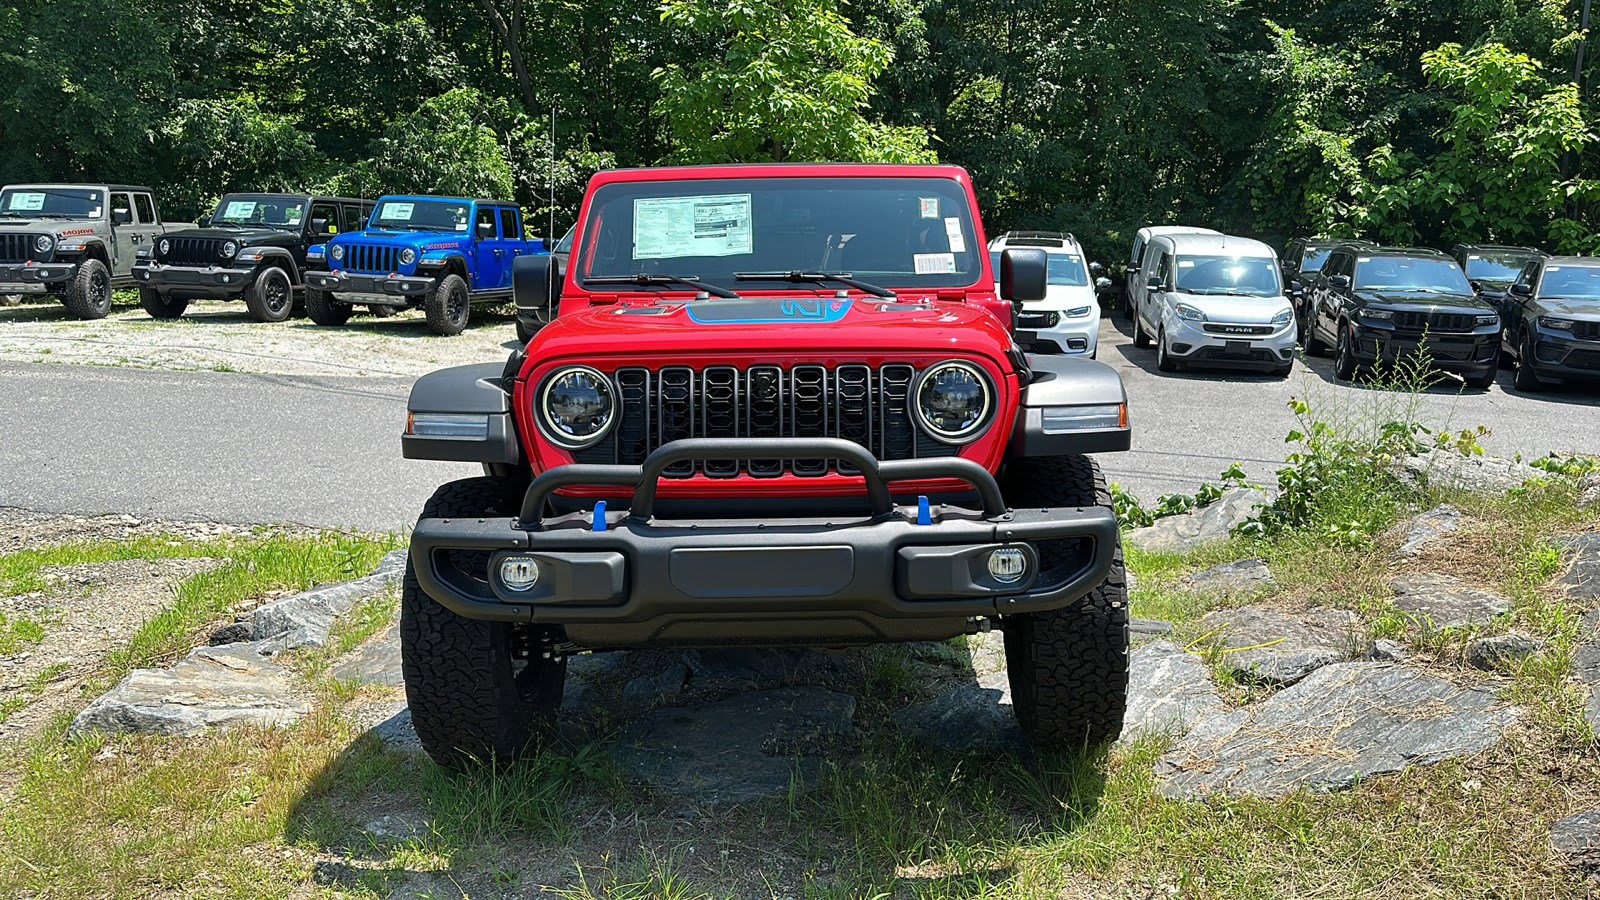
x,y
222,337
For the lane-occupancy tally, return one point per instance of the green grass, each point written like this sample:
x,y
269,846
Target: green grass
x,y
18,633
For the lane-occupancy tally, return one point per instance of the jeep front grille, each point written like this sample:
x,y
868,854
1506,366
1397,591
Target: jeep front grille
x,y
190,251
370,259
854,402
1435,322
16,248
1586,331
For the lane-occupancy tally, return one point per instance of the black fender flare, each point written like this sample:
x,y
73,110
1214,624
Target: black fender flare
x,y
480,390
281,258
1066,381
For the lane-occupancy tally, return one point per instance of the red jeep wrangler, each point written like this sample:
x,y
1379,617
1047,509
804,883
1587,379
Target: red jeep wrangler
x,y
777,408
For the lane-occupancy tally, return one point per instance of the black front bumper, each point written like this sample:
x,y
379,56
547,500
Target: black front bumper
x,y
392,287
37,273
642,582
1465,353
208,281
1559,356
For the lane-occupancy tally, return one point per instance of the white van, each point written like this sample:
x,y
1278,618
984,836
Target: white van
x,y
1141,243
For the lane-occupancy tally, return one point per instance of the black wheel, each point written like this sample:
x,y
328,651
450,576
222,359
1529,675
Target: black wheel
x,y
478,691
380,311
448,306
1344,360
1140,339
159,307
1525,379
1068,667
1309,340
88,294
324,310
1164,360
270,297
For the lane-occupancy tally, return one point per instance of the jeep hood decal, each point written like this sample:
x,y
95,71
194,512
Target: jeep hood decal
x,y
770,311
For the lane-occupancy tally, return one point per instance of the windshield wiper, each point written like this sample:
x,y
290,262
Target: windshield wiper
x,y
816,277
645,279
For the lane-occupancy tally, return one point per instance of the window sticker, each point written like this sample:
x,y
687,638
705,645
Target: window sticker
x,y
1473,256
707,225
1185,263
952,228
239,209
930,207
934,263
28,202
1552,268
1364,259
402,212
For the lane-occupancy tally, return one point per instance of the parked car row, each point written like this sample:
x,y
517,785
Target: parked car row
x,y
273,251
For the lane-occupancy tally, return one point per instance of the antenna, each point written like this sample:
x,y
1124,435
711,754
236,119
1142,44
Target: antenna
x,y
550,228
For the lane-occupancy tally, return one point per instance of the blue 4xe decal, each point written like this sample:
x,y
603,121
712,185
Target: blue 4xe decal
x,y
774,311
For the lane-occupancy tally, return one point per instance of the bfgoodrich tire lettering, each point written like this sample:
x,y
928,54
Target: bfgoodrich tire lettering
x,y
1069,667
478,692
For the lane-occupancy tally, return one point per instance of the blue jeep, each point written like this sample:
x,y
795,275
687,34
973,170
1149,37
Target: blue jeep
x,y
438,253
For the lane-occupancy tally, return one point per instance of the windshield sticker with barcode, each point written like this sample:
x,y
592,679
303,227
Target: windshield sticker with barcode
x,y
239,209
952,229
933,263
709,225
29,202
930,207
400,212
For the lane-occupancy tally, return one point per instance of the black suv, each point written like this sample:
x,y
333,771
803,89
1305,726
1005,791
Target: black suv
x,y
1491,268
252,247
1552,316
1377,305
1301,260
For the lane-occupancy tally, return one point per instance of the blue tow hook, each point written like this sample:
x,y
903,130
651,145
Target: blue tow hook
x,y
599,516
924,510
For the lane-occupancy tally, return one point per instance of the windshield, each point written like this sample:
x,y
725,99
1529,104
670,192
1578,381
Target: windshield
x,y
1313,258
1495,266
421,215
260,209
893,232
1570,283
565,244
28,202
1249,276
1404,273
1067,269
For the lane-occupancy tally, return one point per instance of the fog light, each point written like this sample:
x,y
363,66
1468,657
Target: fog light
x,y
520,573
1007,565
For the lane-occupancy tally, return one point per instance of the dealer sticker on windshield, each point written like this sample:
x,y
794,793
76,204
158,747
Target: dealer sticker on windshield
x,y
28,202
709,225
400,212
239,209
934,263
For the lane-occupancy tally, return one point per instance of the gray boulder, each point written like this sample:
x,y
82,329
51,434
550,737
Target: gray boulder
x,y
1213,522
1430,528
973,716
1452,470
747,747
755,668
375,662
1576,839
656,687
1274,647
1582,578
213,687
304,620
1501,650
1169,690
1244,578
1443,601
1586,666
1343,723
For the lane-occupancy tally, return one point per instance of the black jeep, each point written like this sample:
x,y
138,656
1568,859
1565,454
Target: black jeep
x,y
252,248
1552,316
1379,305
1300,262
1491,268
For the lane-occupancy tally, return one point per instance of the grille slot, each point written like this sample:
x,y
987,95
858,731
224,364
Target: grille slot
x,y
369,259
1586,331
193,251
16,248
853,401
1435,322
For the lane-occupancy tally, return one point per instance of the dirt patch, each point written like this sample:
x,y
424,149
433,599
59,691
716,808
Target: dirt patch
x,y
22,529
220,336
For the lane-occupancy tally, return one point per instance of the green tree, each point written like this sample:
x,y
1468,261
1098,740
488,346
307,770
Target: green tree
x,y
776,80
447,146
210,147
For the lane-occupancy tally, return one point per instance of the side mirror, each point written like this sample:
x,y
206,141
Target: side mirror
x,y
1522,289
204,221
319,226
1296,285
1476,285
1022,274
1096,269
536,282
1102,284
1153,283
485,231
121,216
1339,281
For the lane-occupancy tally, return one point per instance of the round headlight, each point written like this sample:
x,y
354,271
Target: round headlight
x,y
408,256
576,407
44,243
229,248
337,251
954,402
164,247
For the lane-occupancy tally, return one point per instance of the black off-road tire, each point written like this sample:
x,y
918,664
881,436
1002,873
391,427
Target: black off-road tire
x,y
88,294
448,306
479,692
270,297
162,307
322,309
1069,667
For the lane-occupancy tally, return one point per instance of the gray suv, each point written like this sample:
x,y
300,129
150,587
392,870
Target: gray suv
x,y
76,242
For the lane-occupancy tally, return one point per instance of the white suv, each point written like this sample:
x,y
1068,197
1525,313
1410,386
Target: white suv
x,y
1067,320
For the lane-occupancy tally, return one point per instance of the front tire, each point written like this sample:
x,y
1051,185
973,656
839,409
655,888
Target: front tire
x,y
479,692
1525,379
448,306
1344,361
88,294
1140,338
1482,382
379,311
270,298
1069,667
324,310
162,307
1313,344
1164,360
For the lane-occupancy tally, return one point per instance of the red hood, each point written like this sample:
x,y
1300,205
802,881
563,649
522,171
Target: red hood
x,y
788,325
